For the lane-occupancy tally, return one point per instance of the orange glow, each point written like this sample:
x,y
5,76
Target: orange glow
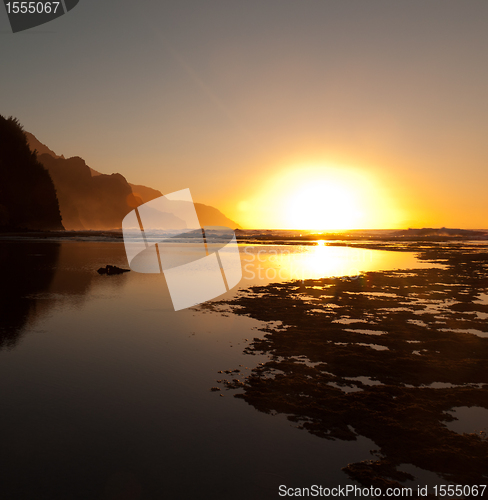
x,y
325,197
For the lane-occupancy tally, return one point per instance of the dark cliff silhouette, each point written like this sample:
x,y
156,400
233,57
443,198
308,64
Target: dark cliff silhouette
x,y
89,199
88,202
27,195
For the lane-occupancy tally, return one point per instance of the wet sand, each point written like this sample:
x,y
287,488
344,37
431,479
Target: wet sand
x,y
102,381
386,356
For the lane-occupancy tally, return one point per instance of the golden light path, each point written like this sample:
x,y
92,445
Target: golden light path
x,y
274,263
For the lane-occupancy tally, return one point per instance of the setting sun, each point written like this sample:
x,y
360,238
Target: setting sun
x,y
324,205
321,197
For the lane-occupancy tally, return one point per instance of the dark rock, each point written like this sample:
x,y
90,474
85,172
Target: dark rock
x,y
111,270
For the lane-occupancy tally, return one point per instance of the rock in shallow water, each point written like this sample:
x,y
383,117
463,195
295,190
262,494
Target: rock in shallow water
x,y
110,270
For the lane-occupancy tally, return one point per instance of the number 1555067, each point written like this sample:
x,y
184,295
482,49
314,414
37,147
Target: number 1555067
x,y
32,7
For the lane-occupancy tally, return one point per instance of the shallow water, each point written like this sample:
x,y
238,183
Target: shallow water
x,y
469,419
105,388
277,263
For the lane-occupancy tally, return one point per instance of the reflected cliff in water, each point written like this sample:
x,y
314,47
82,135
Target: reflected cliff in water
x,y
26,270
38,276
388,356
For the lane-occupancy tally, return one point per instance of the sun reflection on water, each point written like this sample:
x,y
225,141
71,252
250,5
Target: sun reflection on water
x,y
274,263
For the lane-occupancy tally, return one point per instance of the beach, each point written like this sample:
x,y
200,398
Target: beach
x,y
352,378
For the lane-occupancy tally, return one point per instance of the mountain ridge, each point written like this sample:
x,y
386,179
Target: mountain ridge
x,y
89,199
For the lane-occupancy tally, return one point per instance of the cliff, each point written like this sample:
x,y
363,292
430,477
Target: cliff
x,y
89,199
27,194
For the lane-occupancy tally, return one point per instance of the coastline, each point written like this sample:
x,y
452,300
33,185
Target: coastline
x,y
390,239
56,235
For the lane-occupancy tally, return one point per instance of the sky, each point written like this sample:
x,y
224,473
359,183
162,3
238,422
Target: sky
x,y
310,113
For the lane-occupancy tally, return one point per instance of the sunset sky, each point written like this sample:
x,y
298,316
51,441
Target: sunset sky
x,y
303,113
